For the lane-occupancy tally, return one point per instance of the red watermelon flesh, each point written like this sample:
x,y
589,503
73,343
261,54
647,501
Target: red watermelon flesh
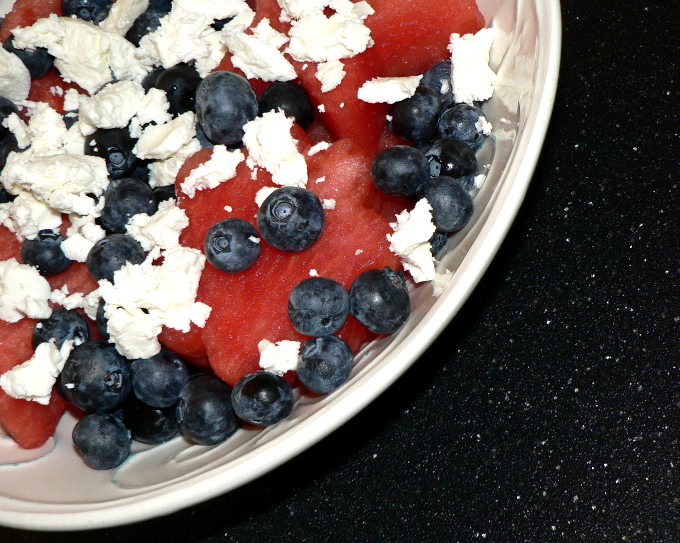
x,y
240,300
410,39
29,423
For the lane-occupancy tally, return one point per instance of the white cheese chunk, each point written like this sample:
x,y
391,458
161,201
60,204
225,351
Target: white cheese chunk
x,y
81,237
263,194
388,90
163,172
34,379
470,73
15,79
159,142
411,241
268,35
84,53
18,127
257,59
112,107
318,147
279,357
153,109
219,168
122,15
145,297
185,35
271,146
162,229
26,216
23,292
330,74
62,181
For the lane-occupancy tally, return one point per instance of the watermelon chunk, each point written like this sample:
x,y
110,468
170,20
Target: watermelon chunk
x,y
354,240
29,423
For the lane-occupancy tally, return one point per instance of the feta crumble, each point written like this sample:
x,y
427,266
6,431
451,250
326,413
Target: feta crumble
x,y
221,167
470,73
388,90
411,241
278,357
23,292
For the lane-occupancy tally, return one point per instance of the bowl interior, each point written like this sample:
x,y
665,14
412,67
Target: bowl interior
x,y
51,489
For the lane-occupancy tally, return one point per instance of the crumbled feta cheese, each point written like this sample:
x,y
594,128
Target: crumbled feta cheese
x,y
71,100
154,109
84,53
263,194
47,131
15,79
219,168
271,146
358,252
388,90
470,73
280,357
317,38
483,126
317,148
81,237
329,203
184,35
163,172
23,292
321,108
330,74
145,297
313,273
256,58
26,216
320,179
18,127
112,107
411,241
268,35
162,141
34,379
122,15
162,229
440,281
62,181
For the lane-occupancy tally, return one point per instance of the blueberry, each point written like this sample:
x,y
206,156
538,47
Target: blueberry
x,y
88,10
438,78
232,245
123,199
291,219
290,98
38,61
318,306
438,241
44,252
179,83
378,299
158,381
463,122
148,424
262,398
324,364
469,182
7,145
63,324
452,205
146,23
115,146
100,320
452,158
202,138
7,107
400,170
5,197
415,118
225,102
102,440
112,253
96,377
151,78
161,5
167,192
219,24
204,412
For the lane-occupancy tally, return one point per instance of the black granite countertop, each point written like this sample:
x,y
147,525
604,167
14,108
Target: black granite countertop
x,y
549,409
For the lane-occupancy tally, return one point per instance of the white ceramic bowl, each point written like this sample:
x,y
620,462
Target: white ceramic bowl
x,y
52,489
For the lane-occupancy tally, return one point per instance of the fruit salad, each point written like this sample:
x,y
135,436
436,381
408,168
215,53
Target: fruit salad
x,y
207,204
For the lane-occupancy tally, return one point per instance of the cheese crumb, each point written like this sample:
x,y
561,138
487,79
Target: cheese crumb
x,y
218,169
317,148
280,357
411,241
23,292
388,90
472,78
330,74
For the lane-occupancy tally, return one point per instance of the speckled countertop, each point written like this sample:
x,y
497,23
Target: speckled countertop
x,y
549,410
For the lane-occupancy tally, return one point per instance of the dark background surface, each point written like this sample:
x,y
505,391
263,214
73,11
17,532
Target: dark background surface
x,y
549,409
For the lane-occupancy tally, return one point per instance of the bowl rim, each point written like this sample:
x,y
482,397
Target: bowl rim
x,y
371,382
